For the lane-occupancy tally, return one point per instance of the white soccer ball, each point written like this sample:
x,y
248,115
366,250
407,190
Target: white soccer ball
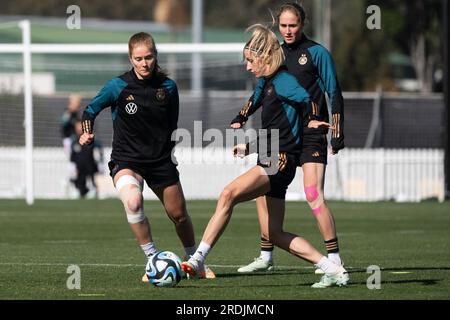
x,y
164,269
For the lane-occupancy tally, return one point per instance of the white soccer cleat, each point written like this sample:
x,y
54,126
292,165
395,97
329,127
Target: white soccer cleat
x,y
320,271
257,265
338,279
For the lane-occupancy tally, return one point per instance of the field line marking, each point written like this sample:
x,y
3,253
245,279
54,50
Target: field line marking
x,y
128,265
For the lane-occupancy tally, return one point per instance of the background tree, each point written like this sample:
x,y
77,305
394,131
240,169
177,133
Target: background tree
x,y
363,57
421,37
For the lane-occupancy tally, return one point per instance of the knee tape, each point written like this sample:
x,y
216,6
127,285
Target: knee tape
x,y
311,193
314,199
129,189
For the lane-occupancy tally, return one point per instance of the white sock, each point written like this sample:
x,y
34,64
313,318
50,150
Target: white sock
x,y
202,252
327,266
149,248
266,255
335,258
189,251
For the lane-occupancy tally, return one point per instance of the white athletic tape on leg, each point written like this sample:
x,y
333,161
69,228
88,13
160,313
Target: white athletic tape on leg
x,y
135,218
125,186
124,180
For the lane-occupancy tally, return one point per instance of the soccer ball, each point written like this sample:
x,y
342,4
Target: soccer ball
x,y
164,269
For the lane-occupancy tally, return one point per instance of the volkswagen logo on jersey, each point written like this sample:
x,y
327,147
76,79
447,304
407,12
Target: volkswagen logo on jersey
x,y
131,108
303,60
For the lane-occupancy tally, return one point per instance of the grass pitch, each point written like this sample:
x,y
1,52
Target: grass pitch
x,y
410,243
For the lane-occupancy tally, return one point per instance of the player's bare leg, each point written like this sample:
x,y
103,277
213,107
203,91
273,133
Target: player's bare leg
x,y
314,181
129,185
273,230
265,260
335,275
248,186
172,198
174,203
131,196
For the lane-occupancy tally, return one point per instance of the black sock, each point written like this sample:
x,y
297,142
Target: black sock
x,y
332,245
266,245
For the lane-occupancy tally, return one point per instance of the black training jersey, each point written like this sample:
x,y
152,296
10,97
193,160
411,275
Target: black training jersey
x,y
314,68
144,115
282,100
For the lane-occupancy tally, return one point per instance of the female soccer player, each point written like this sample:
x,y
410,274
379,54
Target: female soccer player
x,y
283,101
144,107
314,69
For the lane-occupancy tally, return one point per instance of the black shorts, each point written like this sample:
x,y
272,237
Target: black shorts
x,y
156,176
314,149
279,182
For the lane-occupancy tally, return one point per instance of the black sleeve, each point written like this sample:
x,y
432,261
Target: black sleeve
x,y
245,112
252,104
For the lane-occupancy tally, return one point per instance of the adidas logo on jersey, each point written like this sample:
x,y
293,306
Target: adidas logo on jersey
x,y
130,98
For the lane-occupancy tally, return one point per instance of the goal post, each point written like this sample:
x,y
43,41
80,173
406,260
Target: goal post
x,y
25,50
28,101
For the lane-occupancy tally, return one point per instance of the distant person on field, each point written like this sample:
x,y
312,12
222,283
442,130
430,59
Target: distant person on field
x,y
68,120
87,166
71,115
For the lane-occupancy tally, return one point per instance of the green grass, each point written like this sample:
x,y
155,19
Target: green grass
x,y
409,242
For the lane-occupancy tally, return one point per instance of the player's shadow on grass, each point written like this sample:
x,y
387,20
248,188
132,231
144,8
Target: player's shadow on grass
x,y
231,286
427,282
415,268
259,274
352,283
309,271
363,270
424,282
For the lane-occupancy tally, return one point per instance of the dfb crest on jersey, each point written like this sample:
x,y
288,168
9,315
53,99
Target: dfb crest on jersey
x,y
160,94
303,59
131,108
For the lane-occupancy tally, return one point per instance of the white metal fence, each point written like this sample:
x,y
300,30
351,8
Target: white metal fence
x,y
353,175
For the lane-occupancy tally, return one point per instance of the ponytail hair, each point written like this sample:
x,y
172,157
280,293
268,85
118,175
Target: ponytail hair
x,y
264,45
